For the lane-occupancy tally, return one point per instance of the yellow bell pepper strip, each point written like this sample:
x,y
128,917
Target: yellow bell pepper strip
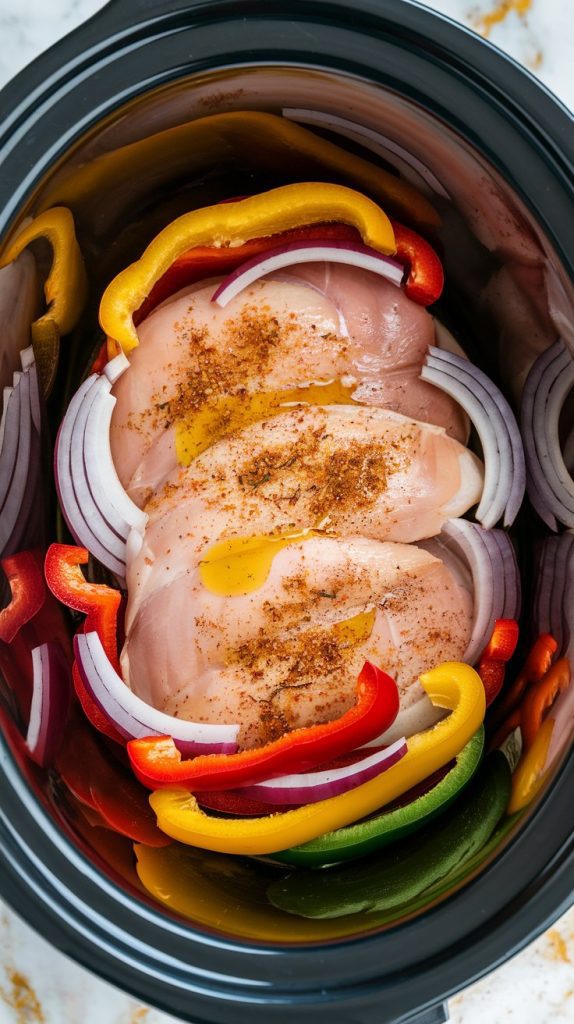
x,y
530,773
249,139
452,685
65,288
233,224
157,762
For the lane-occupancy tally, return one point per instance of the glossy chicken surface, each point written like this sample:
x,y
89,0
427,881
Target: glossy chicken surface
x,y
289,458
318,323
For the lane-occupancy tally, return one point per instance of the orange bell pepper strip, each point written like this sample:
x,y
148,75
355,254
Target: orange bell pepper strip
x,y
24,574
537,663
541,696
499,650
233,224
157,762
453,685
100,605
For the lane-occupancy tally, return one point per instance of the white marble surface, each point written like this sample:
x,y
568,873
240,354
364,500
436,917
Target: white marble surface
x,y
40,986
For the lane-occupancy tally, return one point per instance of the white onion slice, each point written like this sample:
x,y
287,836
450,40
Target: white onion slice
x,y
318,251
550,485
91,511
13,506
51,694
553,604
132,717
504,466
310,787
391,151
78,526
99,513
496,584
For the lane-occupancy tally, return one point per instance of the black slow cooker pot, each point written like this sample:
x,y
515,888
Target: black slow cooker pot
x,y
135,69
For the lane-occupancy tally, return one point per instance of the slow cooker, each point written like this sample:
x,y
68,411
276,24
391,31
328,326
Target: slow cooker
x,y
499,156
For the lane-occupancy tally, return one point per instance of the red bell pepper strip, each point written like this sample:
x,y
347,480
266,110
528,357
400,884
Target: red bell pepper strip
x,y
98,602
537,663
540,697
498,651
425,278
97,779
207,261
157,762
424,281
24,574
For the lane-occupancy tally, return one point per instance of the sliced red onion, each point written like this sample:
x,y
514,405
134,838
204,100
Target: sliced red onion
x,y
13,506
99,513
553,604
490,557
550,485
132,717
50,702
295,253
78,526
569,452
410,166
504,466
313,786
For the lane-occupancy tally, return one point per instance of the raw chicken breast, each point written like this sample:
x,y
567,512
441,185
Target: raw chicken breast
x,y
349,469
321,322
288,653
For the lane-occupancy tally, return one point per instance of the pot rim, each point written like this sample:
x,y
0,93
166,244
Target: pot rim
x,y
42,874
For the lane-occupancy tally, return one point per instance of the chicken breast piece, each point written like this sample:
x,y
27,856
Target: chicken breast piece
x,y
319,323
348,469
288,654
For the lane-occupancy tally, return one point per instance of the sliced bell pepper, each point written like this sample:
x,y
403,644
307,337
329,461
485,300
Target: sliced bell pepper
x,y
540,697
414,811
498,651
97,779
99,604
248,140
452,685
537,663
24,574
156,760
424,274
531,772
394,879
233,224
206,261
65,288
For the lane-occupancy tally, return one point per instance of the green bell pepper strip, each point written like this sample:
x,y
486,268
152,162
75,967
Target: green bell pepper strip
x,y
388,827
387,882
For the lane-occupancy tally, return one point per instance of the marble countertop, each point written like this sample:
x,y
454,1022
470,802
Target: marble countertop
x,y
38,985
